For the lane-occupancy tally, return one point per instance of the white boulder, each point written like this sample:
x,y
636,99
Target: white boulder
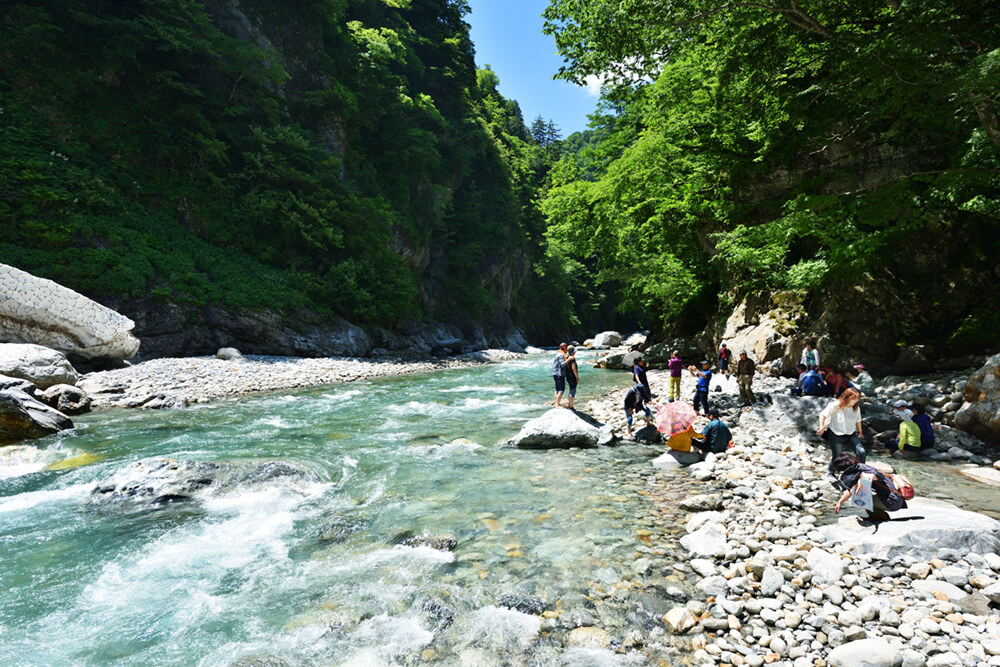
x,y
39,311
980,412
41,366
608,339
561,428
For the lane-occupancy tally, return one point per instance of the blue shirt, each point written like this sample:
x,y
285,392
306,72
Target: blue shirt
x,y
812,384
704,380
717,436
923,422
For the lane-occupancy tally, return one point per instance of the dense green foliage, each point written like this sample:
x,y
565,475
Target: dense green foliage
x,y
777,146
335,154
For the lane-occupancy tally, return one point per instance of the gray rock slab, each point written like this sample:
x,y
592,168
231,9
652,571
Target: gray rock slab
x,y
22,416
865,653
675,459
922,530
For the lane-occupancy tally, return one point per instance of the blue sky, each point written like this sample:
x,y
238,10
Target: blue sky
x,y
508,37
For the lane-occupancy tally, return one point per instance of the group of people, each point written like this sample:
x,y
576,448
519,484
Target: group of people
x,y
839,423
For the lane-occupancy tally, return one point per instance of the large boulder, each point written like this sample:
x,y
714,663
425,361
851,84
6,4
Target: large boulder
x,y
608,339
156,482
36,310
980,412
42,366
763,336
560,428
865,653
23,416
788,416
922,530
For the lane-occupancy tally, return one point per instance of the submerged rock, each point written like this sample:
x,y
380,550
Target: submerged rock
x,y
22,416
438,542
156,482
521,603
558,428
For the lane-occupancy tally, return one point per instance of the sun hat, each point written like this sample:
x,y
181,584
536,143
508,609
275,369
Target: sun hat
x,y
860,367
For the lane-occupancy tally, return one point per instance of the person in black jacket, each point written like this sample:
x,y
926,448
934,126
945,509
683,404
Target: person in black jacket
x,y
885,496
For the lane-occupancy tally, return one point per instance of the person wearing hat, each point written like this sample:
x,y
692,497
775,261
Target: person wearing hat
x,y
745,369
863,380
704,375
572,375
909,432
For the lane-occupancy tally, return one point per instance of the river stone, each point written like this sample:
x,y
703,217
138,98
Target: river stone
x,y
944,660
592,638
42,312
953,592
558,428
67,399
709,540
228,354
826,567
696,521
679,620
702,503
929,526
675,459
980,413
259,660
771,582
992,592
865,653
155,482
39,365
714,586
773,460
608,339
988,476
23,416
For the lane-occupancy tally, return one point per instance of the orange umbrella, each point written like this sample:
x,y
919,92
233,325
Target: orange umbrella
x,y
672,418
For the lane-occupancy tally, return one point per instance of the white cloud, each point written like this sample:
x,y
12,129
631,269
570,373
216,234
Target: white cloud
x,y
593,84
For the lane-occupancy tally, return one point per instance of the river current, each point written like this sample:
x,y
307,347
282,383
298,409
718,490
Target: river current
x,y
312,571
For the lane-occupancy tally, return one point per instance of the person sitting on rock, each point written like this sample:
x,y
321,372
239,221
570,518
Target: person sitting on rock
x,y
835,381
863,380
840,425
704,376
911,443
885,495
923,421
634,403
810,383
717,436
682,441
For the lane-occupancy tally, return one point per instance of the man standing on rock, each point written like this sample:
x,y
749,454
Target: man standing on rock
x,y
559,373
745,369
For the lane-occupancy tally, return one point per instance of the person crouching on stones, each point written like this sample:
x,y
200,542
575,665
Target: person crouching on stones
x,y
840,425
559,373
885,495
634,403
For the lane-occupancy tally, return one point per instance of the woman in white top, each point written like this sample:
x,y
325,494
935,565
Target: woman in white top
x,y
840,425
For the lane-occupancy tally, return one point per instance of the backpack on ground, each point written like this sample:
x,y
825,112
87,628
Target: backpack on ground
x,y
903,486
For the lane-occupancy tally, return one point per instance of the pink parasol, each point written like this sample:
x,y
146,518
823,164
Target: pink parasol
x,y
672,418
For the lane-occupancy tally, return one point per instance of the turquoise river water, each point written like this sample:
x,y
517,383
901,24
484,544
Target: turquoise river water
x,y
310,570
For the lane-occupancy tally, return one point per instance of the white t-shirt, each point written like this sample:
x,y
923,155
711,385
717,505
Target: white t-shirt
x,y
842,422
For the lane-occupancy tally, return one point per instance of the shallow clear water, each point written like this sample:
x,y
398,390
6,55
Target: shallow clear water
x,y
310,570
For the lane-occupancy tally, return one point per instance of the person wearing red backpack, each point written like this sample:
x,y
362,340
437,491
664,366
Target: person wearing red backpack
x,y
885,496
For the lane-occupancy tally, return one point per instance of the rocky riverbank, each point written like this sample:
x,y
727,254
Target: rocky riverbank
x,y
178,382
775,580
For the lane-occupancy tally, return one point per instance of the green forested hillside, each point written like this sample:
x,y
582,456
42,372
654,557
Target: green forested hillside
x,y
335,154
846,151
